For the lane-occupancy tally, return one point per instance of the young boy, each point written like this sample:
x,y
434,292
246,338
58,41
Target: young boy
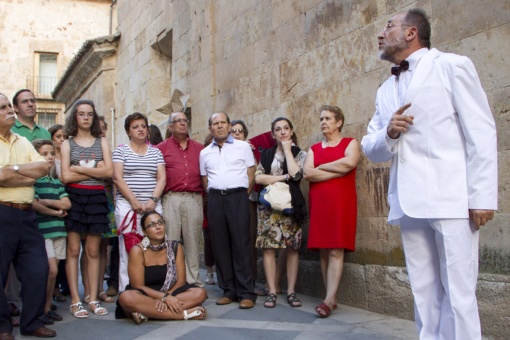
x,y
51,204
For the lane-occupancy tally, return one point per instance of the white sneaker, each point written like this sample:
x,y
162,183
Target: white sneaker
x,y
209,279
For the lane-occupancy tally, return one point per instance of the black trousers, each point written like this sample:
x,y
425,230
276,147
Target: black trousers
x,y
22,244
114,263
229,224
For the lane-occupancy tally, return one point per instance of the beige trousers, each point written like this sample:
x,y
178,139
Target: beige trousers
x,y
184,216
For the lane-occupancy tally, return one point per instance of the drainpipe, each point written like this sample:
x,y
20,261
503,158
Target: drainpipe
x,y
111,16
112,115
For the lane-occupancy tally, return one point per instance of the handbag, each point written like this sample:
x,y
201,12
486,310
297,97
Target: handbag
x,y
131,237
277,197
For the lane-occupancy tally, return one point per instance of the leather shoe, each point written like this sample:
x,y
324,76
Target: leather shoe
x,y
13,309
246,304
43,332
223,301
6,336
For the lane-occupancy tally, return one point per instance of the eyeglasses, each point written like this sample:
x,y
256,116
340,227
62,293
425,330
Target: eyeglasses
x,y
25,101
154,224
237,131
389,26
182,120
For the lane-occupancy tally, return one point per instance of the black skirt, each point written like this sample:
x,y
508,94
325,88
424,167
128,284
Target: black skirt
x,y
89,210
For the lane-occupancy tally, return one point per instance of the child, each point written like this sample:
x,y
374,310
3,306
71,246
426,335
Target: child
x,y
51,204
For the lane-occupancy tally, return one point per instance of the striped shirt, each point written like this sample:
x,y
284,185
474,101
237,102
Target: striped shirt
x,y
139,170
87,154
51,189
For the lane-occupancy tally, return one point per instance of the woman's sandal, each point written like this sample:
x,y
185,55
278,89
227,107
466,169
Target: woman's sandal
x,y
105,298
80,313
323,310
138,317
200,313
99,310
86,299
270,301
293,301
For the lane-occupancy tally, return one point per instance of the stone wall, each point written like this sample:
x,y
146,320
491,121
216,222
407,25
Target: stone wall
x,y
257,60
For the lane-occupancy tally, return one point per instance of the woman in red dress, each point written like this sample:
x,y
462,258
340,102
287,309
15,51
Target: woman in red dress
x,y
330,167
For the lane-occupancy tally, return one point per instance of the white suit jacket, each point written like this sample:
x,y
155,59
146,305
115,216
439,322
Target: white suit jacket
x,y
446,163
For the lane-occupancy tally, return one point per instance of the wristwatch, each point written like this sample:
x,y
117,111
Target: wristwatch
x,y
15,168
164,297
154,198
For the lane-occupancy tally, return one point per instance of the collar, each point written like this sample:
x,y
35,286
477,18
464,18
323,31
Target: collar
x,y
415,57
178,142
229,140
19,124
13,136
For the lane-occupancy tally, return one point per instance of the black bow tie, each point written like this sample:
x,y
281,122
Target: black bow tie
x,y
404,66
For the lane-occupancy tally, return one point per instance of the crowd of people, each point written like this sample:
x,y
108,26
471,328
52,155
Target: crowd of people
x,y
64,195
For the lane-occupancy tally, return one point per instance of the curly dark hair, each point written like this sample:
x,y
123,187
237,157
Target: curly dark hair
x,y
146,215
132,117
71,127
276,120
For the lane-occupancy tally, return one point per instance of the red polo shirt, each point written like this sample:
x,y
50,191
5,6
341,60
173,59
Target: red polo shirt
x,y
182,165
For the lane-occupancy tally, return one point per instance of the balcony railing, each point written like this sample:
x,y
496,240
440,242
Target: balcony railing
x,y
41,86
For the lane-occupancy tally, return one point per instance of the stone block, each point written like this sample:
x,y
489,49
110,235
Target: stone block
x,y
285,11
448,27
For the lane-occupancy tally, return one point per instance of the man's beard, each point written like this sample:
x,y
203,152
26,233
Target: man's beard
x,y
389,52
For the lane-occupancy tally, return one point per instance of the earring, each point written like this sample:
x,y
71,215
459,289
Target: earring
x,y
145,242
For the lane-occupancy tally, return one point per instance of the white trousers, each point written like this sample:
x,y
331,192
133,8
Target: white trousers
x,y
442,261
184,216
122,207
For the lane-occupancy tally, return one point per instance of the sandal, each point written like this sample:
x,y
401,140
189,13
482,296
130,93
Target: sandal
x,y
86,299
138,317
105,298
323,310
270,301
99,310
80,313
199,313
293,301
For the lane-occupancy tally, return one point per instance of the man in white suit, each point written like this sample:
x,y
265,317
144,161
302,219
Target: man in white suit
x,y
434,123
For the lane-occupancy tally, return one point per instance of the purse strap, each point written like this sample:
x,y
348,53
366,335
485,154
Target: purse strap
x,y
132,222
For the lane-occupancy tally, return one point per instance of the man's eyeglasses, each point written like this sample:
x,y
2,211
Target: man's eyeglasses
x,y
25,101
389,26
237,131
182,120
154,224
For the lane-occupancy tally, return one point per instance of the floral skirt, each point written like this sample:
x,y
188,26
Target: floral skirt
x,y
276,230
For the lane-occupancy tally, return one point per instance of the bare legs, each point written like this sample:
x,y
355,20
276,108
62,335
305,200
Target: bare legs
x,y
134,301
92,266
50,287
274,272
332,262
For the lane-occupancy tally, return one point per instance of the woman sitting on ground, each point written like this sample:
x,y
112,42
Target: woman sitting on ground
x,y
157,279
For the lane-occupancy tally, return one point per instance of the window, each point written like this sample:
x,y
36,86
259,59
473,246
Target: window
x,y
46,73
47,117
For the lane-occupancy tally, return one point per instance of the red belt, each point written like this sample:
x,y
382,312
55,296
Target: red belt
x,y
20,206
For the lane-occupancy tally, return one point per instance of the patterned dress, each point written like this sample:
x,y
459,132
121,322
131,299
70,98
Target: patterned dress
x,y
274,229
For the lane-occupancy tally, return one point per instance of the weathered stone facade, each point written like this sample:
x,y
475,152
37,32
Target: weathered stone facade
x,y
57,27
259,59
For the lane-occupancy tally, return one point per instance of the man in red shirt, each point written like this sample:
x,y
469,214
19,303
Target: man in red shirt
x,y
182,198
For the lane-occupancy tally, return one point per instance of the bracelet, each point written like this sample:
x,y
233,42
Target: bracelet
x,y
286,177
164,297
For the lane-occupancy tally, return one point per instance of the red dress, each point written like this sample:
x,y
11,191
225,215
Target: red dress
x,y
333,204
